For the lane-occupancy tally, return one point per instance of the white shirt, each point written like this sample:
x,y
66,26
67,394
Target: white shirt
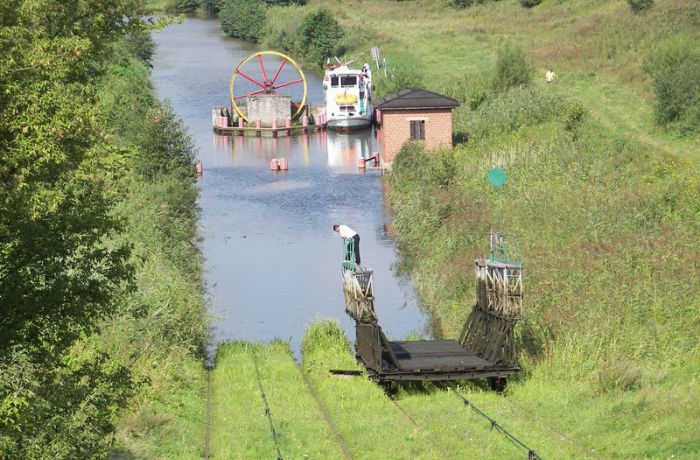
x,y
346,232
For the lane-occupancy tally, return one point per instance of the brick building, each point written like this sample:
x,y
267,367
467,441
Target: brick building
x,y
414,114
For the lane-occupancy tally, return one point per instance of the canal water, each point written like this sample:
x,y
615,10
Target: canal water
x,y
272,261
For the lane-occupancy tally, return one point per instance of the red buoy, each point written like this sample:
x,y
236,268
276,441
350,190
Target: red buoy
x,y
283,164
274,164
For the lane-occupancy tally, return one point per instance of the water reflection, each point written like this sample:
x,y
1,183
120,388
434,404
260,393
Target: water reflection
x,y
271,257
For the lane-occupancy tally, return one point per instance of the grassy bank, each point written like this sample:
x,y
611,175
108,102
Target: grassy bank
x,y
240,428
159,327
102,321
602,204
425,422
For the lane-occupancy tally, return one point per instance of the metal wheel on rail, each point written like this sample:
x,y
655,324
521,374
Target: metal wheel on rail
x,y
267,72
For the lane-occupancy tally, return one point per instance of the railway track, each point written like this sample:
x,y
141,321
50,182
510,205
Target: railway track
x,y
324,411
437,422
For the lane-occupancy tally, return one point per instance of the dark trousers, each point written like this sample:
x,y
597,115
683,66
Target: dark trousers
x,y
356,238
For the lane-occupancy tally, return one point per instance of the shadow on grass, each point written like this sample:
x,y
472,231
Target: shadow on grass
x,y
121,453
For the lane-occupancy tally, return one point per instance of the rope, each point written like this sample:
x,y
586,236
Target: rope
x,y
268,414
531,454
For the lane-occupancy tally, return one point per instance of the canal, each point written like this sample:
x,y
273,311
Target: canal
x,y
271,259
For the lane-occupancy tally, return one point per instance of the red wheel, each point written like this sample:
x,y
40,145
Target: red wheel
x,y
266,72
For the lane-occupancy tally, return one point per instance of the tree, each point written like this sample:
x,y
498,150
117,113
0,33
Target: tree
x,y
511,69
319,36
58,272
243,18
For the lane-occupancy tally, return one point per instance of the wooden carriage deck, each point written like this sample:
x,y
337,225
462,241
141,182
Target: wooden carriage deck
x,y
440,360
421,360
486,348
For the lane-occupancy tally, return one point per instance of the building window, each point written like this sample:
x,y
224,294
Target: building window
x,y
418,130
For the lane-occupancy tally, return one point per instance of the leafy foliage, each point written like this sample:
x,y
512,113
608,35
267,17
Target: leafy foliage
x,y
675,70
319,36
243,18
640,5
285,2
467,3
530,3
399,77
183,6
511,69
59,271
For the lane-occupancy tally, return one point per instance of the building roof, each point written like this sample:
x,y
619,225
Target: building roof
x,y
415,98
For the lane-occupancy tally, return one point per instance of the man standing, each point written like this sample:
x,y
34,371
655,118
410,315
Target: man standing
x,y
349,234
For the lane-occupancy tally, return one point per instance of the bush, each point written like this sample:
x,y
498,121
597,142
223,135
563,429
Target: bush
x,y
640,5
511,69
675,70
530,3
243,18
466,3
319,36
516,108
399,78
165,147
183,6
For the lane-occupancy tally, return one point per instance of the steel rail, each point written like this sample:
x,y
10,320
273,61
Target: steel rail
x,y
324,411
268,414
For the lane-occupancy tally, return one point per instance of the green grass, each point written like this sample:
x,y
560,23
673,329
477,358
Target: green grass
x,y
367,421
167,422
604,211
604,71
159,327
240,428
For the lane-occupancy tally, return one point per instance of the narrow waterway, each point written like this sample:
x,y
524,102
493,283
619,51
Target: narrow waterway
x,y
272,261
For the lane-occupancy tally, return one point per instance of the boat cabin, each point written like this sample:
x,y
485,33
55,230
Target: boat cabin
x,y
414,115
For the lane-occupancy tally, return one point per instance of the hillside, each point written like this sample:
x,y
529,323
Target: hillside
x,y
601,204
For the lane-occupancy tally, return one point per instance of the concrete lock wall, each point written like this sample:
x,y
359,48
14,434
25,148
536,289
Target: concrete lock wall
x,y
269,107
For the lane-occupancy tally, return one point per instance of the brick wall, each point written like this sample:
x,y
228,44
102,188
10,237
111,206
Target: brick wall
x,y
396,129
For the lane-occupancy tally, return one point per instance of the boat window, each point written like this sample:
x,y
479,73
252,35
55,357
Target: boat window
x,y
334,81
348,80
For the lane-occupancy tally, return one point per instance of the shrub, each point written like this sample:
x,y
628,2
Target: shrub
x,y
243,18
640,5
281,28
183,6
675,70
530,3
165,145
518,107
319,36
400,77
511,69
466,3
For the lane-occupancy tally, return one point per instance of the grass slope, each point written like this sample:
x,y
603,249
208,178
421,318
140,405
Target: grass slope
x,y
597,49
604,208
240,428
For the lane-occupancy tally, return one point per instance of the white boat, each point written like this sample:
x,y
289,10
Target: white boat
x,y
347,96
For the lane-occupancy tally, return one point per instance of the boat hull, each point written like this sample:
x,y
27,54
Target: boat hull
x,y
348,124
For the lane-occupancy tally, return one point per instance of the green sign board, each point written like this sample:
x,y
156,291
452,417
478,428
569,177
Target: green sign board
x,y
497,177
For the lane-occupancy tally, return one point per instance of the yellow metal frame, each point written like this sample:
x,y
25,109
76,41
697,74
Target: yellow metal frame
x,y
263,53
